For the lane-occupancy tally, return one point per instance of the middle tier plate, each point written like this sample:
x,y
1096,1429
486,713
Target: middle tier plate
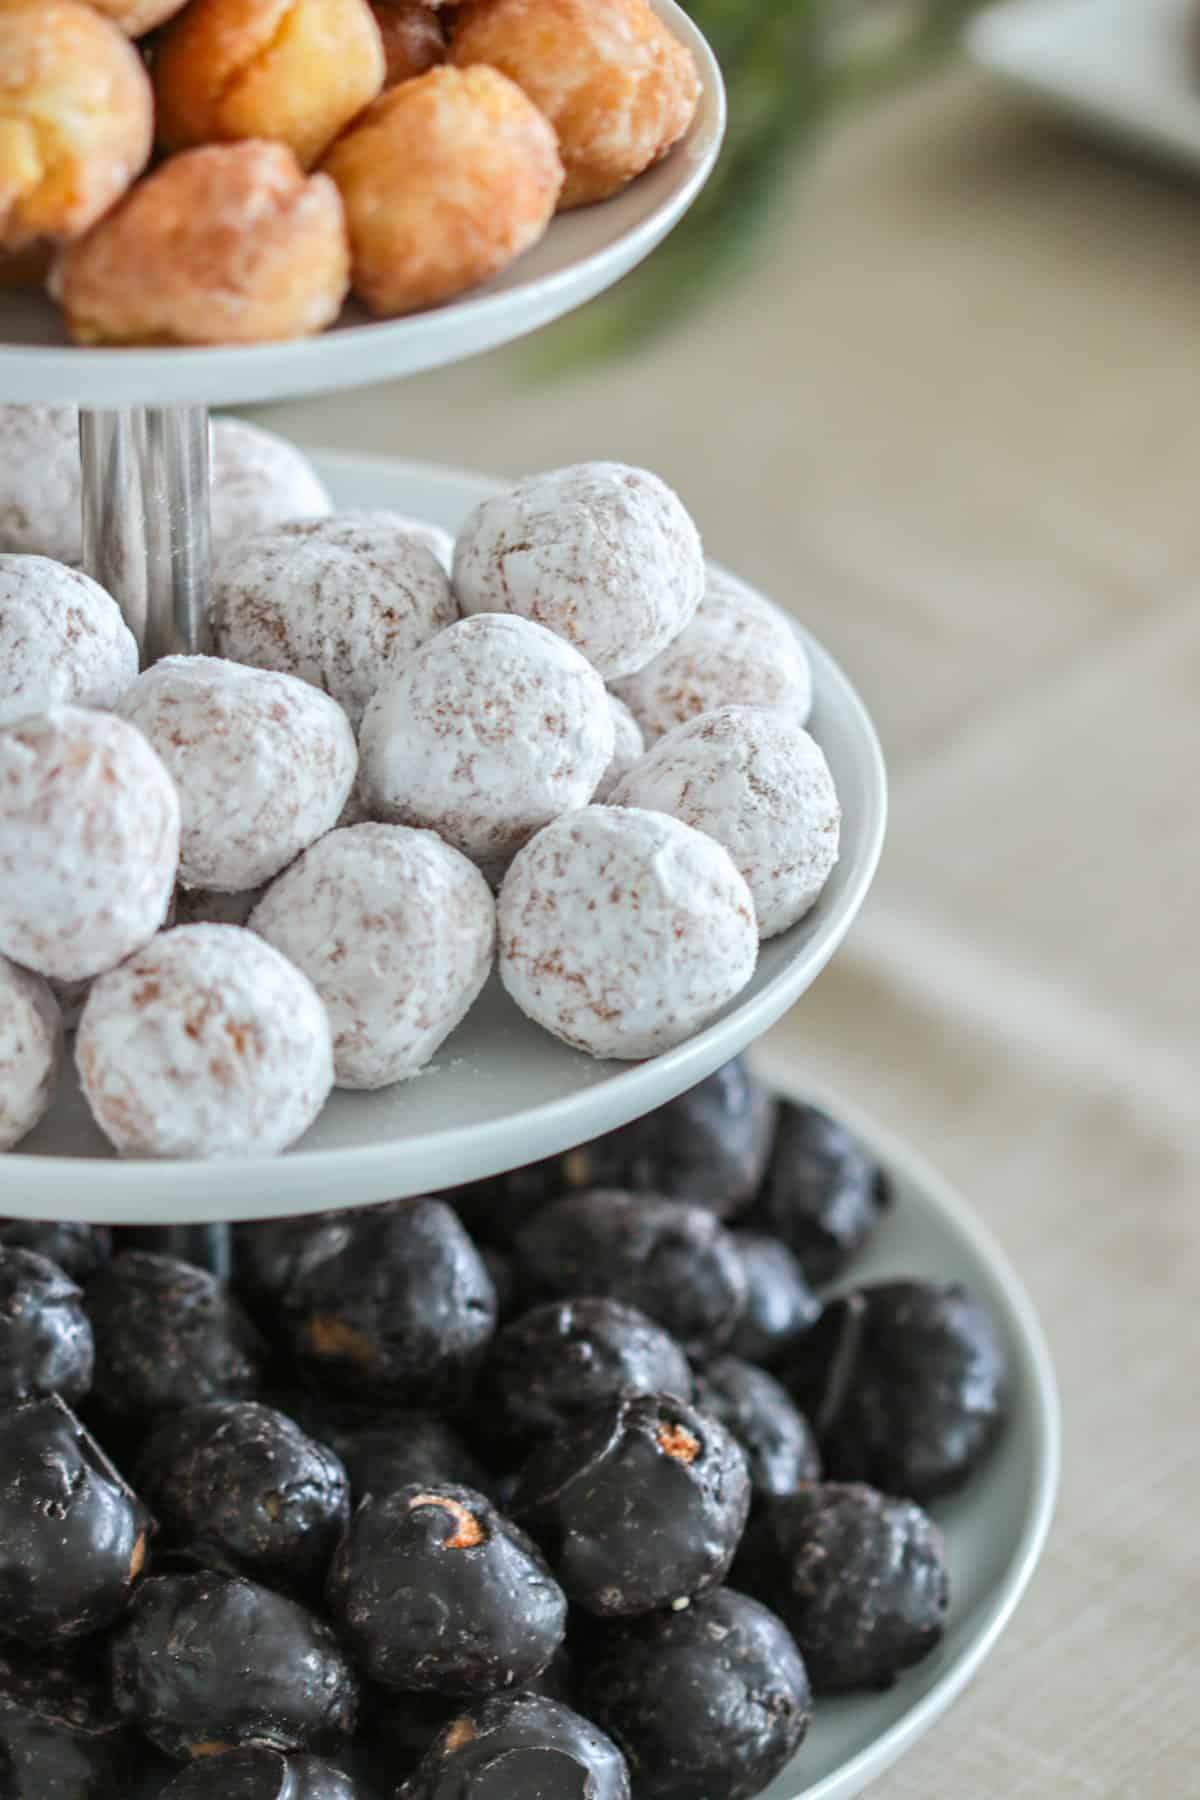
x,y
500,1092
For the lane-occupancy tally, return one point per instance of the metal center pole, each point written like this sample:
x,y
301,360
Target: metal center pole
x,y
146,530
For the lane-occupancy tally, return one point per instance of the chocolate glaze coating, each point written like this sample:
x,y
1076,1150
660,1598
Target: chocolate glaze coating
x,y
399,1309
481,1610
822,1194
259,1773
641,1506
45,1338
908,1385
60,1736
80,1251
212,1659
72,1534
205,1246
509,1748
562,1360
780,1305
267,1253
674,1262
859,1579
168,1336
246,1479
714,1700
384,1447
781,1450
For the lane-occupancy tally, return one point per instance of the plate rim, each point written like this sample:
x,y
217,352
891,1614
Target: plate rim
x,y
1035,1364
192,1190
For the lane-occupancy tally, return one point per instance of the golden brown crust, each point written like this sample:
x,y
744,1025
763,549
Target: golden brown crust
x,y
295,71
136,17
614,82
413,39
230,244
76,119
445,180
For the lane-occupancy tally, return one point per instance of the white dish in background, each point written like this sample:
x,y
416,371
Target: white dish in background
x,y
584,252
1130,67
501,1092
996,1527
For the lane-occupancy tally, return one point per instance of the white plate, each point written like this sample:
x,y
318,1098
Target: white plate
x,y
584,252
501,1091
1131,67
995,1529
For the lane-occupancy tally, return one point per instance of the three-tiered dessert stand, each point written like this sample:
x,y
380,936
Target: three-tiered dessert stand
x,y
501,1092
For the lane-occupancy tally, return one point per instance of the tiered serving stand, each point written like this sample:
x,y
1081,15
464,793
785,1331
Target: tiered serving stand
x,y
502,1092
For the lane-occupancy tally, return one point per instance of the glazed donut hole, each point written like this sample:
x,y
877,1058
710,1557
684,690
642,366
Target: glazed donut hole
x,y
413,38
206,1043
446,179
752,778
63,641
31,1038
294,71
604,554
224,245
739,650
342,602
617,86
263,764
495,727
396,931
89,842
76,120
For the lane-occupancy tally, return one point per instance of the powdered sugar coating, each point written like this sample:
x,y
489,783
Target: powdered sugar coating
x,y
31,1039
40,481
397,933
89,842
495,728
63,641
263,762
260,479
603,554
752,778
341,602
624,932
628,746
739,650
434,537
207,1043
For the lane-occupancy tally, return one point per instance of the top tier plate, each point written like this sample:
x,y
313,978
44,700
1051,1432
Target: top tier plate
x,y
500,1092
583,253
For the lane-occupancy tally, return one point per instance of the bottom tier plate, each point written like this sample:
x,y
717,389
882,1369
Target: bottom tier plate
x,y
996,1528
500,1092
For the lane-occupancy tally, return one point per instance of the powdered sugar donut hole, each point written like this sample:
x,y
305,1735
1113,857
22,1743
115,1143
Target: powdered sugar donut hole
x,y
739,650
89,842
624,932
63,641
340,602
495,728
258,480
440,541
603,554
397,933
40,482
628,746
264,764
752,778
31,1038
207,1043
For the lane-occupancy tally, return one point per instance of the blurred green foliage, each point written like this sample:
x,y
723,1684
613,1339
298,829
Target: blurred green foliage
x,y
790,67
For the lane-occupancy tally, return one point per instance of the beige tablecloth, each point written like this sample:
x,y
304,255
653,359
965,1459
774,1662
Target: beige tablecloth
x,y
954,420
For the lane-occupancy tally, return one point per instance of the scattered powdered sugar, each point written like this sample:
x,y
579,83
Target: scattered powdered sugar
x,y
63,641
259,480
628,745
